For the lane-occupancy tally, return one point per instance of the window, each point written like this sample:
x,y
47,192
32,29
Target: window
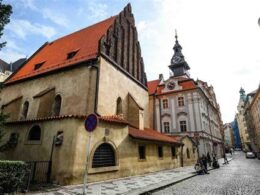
x,y
119,109
25,109
181,101
165,104
188,153
160,151
57,105
166,127
35,133
141,150
183,126
104,156
173,151
71,54
37,66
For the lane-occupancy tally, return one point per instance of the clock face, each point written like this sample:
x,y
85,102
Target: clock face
x,y
171,85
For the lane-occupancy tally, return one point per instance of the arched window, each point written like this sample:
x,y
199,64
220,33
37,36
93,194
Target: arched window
x,y
104,156
25,109
188,153
34,133
119,109
57,105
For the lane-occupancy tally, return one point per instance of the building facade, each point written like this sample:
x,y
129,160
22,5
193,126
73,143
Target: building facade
x,y
237,139
180,105
228,136
86,72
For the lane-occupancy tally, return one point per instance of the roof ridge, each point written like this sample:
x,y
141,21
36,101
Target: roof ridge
x,y
75,32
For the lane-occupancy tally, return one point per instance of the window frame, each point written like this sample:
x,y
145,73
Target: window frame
x,y
183,124
160,152
32,142
164,126
140,154
165,103
55,104
181,101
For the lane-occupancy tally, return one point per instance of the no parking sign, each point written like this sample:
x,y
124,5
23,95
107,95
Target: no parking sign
x,y
90,124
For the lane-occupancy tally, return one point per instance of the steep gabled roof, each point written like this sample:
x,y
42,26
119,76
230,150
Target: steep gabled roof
x,y
53,55
152,86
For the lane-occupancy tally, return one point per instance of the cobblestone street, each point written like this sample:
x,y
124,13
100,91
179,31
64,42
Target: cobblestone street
x,y
240,177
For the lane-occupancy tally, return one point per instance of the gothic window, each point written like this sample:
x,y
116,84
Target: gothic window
x,y
34,133
141,151
188,153
165,103
183,126
119,109
57,105
160,151
25,109
166,126
181,101
104,156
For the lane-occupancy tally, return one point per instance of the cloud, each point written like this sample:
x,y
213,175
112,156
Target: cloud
x,y
23,28
29,4
97,11
55,17
10,55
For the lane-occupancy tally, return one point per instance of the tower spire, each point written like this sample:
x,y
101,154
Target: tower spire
x,y
178,64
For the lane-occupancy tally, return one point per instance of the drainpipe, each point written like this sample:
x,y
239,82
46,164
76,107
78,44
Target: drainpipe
x,y
181,155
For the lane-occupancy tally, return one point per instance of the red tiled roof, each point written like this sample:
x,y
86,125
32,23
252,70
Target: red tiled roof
x,y
113,118
151,135
152,86
54,54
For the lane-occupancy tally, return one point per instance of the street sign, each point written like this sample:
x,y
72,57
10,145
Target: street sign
x,y
91,122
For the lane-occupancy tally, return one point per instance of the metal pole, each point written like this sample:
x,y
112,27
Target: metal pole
x,y
86,164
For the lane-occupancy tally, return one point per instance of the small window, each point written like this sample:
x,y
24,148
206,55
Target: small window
x,y
183,126
39,65
57,105
71,54
181,101
165,103
166,127
173,151
160,151
188,153
25,110
141,151
35,133
119,109
104,156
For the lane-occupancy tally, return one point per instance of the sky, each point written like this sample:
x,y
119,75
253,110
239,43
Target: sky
x,y
220,38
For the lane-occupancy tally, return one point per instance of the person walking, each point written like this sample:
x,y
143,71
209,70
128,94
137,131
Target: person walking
x,y
225,158
209,159
204,161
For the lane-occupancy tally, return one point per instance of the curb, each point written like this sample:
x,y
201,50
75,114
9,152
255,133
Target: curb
x,y
152,189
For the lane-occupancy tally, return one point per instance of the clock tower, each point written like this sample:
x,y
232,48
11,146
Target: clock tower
x,y
179,66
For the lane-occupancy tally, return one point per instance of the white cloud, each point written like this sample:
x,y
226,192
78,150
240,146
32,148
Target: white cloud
x,y
29,4
10,55
55,17
97,11
23,28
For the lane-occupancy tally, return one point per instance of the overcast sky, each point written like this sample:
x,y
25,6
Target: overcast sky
x,y
220,38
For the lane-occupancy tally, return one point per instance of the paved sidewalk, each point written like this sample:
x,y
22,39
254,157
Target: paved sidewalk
x,y
131,185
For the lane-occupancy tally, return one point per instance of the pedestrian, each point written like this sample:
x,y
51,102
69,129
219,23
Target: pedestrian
x,y
225,158
209,159
231,151
204,162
